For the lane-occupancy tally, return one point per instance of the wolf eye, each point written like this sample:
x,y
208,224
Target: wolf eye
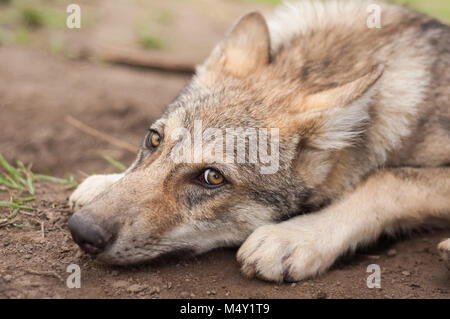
x,y
153,139
212,177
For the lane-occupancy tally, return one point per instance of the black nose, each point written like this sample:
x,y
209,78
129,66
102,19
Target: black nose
x,y
89,235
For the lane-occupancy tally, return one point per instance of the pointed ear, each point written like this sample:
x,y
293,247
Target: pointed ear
x,y
341,117
244,49
333,118
347,93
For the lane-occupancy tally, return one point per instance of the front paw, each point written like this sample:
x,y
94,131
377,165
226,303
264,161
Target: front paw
x,y
90,188
278,253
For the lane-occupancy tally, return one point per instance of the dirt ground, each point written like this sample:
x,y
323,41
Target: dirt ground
x,y
38,90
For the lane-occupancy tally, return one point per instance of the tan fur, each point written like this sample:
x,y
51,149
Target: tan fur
x,y
354,107
308,245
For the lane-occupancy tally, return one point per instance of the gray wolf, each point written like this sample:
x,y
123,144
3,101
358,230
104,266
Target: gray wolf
x,y
363,116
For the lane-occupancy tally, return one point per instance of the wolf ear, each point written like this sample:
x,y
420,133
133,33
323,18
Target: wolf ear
x,y
339,115
245,48
345,94
336,121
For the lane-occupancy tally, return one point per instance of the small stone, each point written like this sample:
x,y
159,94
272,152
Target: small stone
x,y
392,252
208,292
136,288
155,290
373,257
192,295
321,295
169,285
7,278
293,284
120,284
184,294
213,292
406,273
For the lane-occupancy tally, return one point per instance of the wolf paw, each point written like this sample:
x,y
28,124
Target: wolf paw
x,y
277,253
90,188
444,250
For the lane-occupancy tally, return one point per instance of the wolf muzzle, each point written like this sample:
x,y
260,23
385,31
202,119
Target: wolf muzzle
x,y
92,236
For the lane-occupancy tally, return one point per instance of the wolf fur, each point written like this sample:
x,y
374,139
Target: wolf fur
x,y
364,122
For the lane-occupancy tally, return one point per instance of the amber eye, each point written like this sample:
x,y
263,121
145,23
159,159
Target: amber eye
x,y
153,139
213,177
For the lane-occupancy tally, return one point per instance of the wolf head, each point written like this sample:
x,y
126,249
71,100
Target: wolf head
x,y
250,141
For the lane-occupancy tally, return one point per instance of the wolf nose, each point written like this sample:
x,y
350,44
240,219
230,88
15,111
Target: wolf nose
x,y
90,236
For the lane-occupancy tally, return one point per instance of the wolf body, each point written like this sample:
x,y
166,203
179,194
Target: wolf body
x,y
363,116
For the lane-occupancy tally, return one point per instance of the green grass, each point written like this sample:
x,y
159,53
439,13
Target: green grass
x,y
18,178
35,17
15,206
32,17
21,178
435,8
24,200
21,36
115,163
150,41
164,17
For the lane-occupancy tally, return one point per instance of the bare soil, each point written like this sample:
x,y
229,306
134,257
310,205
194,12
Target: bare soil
x,y
38,90
34,101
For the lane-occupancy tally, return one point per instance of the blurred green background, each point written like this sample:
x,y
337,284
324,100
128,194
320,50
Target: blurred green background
x,y
182,28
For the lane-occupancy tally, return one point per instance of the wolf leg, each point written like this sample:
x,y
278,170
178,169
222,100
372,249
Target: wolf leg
x,y
307,245
91,187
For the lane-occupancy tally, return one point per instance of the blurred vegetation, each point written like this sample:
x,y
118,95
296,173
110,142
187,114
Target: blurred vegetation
x,y
150,41
21,36
43,22
164,17
436,8
35,22
31,14
34,17
149,28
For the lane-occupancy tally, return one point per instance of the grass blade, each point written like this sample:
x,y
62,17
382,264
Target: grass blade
x,y
24,200
53,179
8,184
13,213
15,206
115,163
8,167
